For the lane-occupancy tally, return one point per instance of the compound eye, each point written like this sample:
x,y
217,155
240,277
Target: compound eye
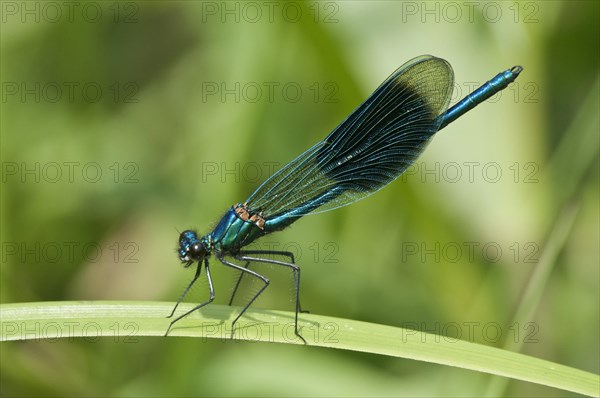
x,y
190,247
188,236
197,252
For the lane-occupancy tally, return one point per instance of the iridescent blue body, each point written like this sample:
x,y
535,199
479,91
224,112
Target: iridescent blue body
x,y
368,150
493,86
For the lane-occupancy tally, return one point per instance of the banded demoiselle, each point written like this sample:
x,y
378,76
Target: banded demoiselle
x,y
367,151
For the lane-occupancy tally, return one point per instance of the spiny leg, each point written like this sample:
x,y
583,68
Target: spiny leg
x,y
198,270
290,255
250,272
296,270
281,253
210,299
237,285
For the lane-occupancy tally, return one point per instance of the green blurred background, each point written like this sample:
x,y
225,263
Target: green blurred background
x,y
125,122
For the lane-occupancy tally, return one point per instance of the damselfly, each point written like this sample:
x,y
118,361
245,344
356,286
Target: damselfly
x,y
367,151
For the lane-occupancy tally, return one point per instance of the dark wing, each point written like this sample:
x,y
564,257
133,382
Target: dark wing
x,y
368,150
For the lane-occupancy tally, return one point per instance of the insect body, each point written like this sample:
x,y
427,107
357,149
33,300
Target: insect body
x,y
372,147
